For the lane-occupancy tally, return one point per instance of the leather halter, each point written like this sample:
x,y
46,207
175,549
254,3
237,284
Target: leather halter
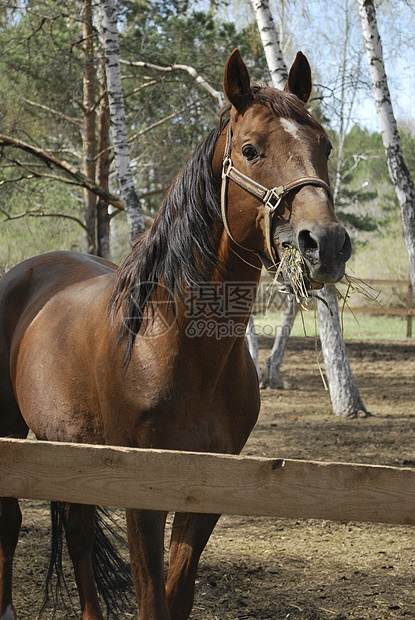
x,y
271,198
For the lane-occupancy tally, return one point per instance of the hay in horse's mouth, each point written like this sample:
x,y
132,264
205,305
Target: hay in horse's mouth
x,y
293,271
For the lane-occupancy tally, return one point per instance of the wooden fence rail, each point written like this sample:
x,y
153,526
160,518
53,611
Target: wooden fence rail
x,y
201,482
407,311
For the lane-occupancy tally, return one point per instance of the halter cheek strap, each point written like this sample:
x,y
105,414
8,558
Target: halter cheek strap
x,y
271,198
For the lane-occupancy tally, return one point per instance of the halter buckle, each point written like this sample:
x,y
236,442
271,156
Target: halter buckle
x,y
272,198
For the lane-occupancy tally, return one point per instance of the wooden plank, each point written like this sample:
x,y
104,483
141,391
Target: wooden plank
x,y
196,482
380,282
409,305
379,310
262,308
266,277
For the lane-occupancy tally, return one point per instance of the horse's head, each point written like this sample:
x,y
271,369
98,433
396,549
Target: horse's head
x,y
275,187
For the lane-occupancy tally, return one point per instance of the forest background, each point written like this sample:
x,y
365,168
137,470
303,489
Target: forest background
x,y
53,100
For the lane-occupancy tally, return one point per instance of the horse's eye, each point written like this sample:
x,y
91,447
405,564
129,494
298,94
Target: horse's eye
x,y
329,149
249,152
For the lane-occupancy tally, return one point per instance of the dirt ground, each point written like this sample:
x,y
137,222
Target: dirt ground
x,y
271,569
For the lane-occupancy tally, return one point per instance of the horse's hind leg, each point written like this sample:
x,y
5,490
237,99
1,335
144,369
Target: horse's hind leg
x,y
80,531
11,425
189,536
10,521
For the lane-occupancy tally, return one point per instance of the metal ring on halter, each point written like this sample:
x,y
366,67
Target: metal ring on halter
x,y
226,166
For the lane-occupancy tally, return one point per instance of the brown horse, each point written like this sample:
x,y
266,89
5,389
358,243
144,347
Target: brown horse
x,y
152,354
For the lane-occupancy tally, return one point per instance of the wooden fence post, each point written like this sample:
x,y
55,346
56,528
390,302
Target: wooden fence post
x,y
409,305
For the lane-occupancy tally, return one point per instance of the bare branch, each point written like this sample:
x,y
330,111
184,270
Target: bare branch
x,y
14,180
357,158
38,212
137,90
76,176
160,122
71,119
179,67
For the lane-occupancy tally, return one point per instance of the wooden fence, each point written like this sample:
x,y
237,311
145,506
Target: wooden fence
x,y
407,311
201,482
376,308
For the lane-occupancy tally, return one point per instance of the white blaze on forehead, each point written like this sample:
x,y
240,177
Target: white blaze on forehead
x,y
290,126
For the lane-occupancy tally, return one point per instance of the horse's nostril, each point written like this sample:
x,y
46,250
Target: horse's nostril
x,y
306,241
308,246
347,248
327,245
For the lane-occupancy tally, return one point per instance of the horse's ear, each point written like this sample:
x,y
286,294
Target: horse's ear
x,y
299,79
236,82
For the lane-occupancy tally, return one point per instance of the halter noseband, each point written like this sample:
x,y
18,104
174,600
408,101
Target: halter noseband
x,y
271,198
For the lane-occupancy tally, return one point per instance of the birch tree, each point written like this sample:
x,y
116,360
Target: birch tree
x,y
74,149
103,165
135,216
398,171
343,389
270,43
347,96
279,74
89,130
344,393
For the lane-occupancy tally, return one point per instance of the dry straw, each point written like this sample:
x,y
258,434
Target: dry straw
x,y
293,272
291,268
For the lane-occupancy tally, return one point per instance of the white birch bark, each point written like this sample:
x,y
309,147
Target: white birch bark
x,y
344,393
135,216
88,133
279,74
274,361
270,43
103,164
399,174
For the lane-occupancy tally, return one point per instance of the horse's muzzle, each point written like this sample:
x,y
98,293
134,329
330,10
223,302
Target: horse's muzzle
x,y
325,251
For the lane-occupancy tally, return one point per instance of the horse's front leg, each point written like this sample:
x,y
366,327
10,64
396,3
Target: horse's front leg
x,y
10,521
145,530
80,532
190,533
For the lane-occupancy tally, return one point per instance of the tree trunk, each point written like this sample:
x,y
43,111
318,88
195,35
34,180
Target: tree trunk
x,y
343,389
135,216
274,361
88,134
347,97
270,43
398,171
279,74
104,165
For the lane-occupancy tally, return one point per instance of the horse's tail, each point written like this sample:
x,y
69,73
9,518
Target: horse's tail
x,y
112,572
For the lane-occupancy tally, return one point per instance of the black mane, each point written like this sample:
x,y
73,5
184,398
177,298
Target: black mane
x,y
179,251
